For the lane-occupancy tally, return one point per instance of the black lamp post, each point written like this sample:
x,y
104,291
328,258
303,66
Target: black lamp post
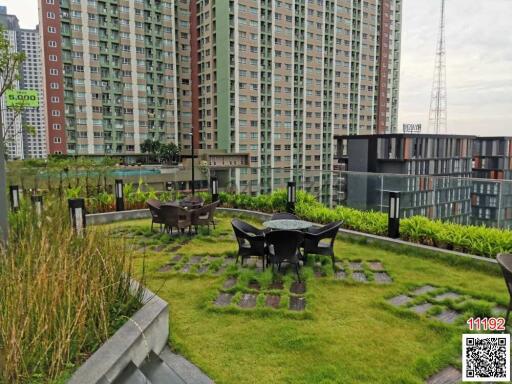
x,y
193,172
394,215
214,182
37,203
119,195
77,215
14,193
291,197
169,185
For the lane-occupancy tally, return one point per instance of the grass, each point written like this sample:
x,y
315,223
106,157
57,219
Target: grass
x,y
62,296
351,334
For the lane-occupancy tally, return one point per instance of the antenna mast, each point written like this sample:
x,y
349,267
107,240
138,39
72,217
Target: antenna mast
x,y
438,104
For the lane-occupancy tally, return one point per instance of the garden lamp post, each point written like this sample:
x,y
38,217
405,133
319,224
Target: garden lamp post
x,y
37,203
14,193
394,215
291,196
119,195
214,182
169,185
193,175
77,215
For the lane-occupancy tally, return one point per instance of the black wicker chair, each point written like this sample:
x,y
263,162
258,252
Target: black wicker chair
x,y
284,246
505,262
156,213
313,240
251,241
284,216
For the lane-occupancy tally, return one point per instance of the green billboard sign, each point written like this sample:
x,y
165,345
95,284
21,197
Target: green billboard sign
x,y
27,98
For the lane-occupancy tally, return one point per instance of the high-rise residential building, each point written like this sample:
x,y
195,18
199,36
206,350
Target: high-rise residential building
x,y
491,197
27,136
431,172
275,78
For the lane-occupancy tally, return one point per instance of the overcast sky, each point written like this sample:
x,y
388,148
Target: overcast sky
x,y
479,61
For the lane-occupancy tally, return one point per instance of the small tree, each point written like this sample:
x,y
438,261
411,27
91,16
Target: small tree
x,y
10,63
151,147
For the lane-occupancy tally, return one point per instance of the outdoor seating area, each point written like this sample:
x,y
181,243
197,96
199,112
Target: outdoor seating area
x,y
182,215
241,317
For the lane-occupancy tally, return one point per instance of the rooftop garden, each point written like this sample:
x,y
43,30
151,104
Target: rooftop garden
x,y
386,316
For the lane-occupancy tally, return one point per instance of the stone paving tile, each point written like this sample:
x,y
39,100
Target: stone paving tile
x,y
229,283
195,259
448,316
447,296
320,273
400,300
297,303
203,268
421,308
424,289
175,259
223,299
276,285
165,268
339,266
174,248
272,301
356,266
359,276
297,287
382,278
186,268
159,248
340,275
220,271
228,261
449,375
376,266
248,300
254,285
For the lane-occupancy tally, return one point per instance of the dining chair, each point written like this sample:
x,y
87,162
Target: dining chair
x,y
251,241
156,212
176,217
313,240
283,245
204,215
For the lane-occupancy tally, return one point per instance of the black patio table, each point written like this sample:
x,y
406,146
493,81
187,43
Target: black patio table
x,y
287,224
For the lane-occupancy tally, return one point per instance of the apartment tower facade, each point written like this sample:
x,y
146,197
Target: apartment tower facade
x,y
275,78
27,133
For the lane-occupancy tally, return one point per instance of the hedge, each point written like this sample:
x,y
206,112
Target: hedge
x,y
477,240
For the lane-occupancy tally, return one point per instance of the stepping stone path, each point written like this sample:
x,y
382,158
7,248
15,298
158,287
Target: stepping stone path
x,y
400,300
298,288
195,259
186,268
449,375
297,303
447,296
202,269
220,271
158,248
376,266
278,285
228,261
339,266
248,300
359,276
356,266
229,283
448,316
175,248
165,268
422,308
423,290
320,273
382,278
340,275
272,301
223,299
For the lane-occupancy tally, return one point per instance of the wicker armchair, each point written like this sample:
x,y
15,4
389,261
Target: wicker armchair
x,y
204,215
251,241
314,245
176,217
156,213
284,246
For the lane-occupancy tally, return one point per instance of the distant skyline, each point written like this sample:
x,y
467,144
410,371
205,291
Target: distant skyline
x,y
479,62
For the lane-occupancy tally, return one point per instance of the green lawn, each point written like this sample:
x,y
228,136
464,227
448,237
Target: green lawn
x,y
349,332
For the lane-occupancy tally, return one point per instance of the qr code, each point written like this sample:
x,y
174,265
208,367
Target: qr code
x,y
486,357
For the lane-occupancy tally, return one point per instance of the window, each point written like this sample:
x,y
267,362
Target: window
x,y
52,30
57,140
54,85
52,43
56,127
54,99
50,15
55,112
52,57
54,71
50,1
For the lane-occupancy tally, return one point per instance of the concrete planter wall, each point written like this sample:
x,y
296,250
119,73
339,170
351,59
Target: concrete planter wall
x,y
110,217
146,331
